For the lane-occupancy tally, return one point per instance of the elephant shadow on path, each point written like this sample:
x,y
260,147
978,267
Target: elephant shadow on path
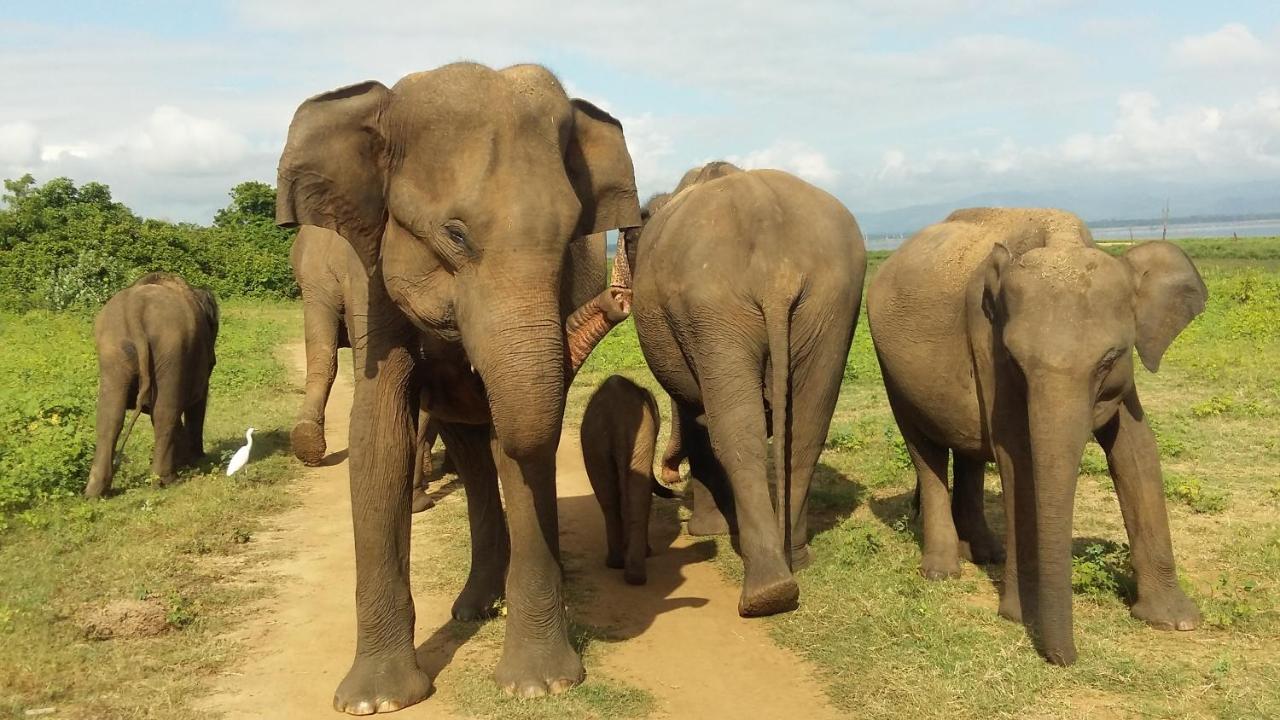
x,y
603,606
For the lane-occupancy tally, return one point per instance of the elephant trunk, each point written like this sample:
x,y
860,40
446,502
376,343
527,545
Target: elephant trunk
x,y
587,326
1059,421
517,347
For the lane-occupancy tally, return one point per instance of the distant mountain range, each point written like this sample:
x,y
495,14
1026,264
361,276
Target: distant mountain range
x,y
1114,206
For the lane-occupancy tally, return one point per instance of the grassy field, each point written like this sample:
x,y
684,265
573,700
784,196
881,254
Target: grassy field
x,y
886,642
889,644
63,559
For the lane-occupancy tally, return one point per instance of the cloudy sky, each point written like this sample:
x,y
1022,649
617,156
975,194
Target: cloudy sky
x,y
886,103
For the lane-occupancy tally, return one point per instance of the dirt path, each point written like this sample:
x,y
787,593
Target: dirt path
x,y
679,637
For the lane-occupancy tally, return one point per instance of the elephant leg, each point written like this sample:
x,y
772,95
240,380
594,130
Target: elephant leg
x,y
193,422
732,394
170,435
537,657
322,323
1134,461
112,402
675,452
607,485
941,555
977,543
490,546
708,490
385,674
637,487
422,466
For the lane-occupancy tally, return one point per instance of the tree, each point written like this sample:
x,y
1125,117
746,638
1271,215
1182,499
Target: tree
x,y
252,203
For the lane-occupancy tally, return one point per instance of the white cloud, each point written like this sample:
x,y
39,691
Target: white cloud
x,y
19,143
173,141
794,157
1231,46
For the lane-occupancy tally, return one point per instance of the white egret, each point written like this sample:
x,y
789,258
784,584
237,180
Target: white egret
x,y
242,455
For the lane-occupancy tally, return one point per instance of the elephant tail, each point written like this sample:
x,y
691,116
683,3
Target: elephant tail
x,y
777,325
118,452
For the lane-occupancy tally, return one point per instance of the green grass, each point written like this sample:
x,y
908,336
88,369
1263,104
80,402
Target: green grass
x,y
62,556
889,644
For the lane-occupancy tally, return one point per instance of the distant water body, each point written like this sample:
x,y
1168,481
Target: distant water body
x,y
1177,230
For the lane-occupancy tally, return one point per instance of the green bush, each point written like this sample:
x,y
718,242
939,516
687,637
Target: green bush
x,y
66,247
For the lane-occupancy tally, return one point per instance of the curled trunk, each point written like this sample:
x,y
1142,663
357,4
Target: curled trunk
x,y
587,326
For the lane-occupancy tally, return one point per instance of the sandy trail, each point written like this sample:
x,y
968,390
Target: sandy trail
x,y
679,637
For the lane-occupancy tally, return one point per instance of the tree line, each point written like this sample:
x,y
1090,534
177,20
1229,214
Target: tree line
x,y
65,247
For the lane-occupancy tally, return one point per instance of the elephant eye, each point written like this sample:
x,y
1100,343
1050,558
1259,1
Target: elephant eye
x,y
457,232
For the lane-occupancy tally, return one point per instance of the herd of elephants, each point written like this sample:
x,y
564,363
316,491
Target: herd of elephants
x,y
453,235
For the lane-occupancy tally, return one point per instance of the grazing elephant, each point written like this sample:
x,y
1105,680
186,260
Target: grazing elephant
x,y
747,288
155,344
321,261
476,201
1007,335
619,436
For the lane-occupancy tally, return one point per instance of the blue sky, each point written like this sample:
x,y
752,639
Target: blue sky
x,y
886,103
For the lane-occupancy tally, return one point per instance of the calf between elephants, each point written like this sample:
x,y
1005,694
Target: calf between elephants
x,y
1006,335
155,341
475,200
618,437
747,289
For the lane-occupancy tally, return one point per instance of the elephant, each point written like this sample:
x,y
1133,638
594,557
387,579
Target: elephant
x,y
476,201
619,435
747,286
1007,335
155,341
321,260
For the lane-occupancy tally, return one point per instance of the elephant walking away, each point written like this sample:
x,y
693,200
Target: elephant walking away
x,y
155,342
321,261
476,201
619,436
1006,335
747,289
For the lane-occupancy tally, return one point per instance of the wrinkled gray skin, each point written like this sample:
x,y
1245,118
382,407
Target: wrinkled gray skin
x,y
155,342
475,201
320,260
1006,335
747,288
619,435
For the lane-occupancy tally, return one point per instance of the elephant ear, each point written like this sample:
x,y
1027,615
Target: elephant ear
x,y
1168,295
600,170
583,274
993,271
333,170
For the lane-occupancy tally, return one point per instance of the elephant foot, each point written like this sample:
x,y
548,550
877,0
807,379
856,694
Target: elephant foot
x,y
530,669
479,599
1173,611
1011,602
705,523
635,573
375,685
447,467
614,561
769,597
308,443
983,549
801,557
421,500
940,565
165,480
1061,656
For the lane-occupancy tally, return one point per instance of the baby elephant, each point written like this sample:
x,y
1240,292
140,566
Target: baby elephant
x,y
619,434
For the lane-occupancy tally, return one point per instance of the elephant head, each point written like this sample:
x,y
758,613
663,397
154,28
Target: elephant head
x,y
1066,318
464,187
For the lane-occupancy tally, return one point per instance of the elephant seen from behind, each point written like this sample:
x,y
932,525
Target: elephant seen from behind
x,y
619,436
1007,335
747,289
155,341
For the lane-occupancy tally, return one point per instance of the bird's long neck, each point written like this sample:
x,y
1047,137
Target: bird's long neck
x,y
249,437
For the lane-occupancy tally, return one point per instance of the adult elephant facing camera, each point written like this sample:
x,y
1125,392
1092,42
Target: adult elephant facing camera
x,y
1006,335
747,291
467,194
